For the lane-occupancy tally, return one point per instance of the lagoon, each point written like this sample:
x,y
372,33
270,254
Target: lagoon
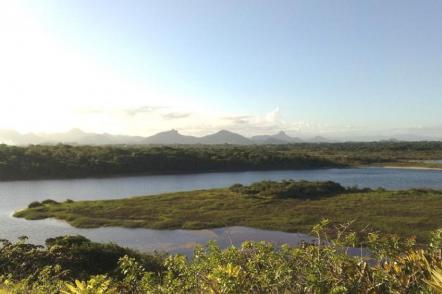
x,y
18,194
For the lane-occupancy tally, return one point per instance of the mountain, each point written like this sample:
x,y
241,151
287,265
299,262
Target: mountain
x,y
284,137
15,138
174,137
74,136
170,137
77,136
225,137
279,138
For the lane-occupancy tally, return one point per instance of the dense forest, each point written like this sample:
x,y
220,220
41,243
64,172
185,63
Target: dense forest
x,y
357,153
352,262
65,161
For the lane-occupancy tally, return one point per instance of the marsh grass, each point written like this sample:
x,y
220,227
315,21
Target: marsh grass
x,y
406,213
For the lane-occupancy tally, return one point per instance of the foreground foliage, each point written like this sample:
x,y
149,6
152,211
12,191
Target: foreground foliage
x,y
394,265
285,206
75,257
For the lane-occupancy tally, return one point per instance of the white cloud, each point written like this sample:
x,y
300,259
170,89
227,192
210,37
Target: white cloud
x,y
273,116
176,115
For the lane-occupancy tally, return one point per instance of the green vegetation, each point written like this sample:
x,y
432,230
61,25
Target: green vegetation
x,y
377,153
286,206
64,161
291,189
67,258
394,265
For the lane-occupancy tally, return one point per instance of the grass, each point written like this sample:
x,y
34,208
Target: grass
x,y
411,212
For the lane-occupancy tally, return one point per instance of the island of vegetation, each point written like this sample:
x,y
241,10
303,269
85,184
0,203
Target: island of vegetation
x,y
75,265
66,161
291,206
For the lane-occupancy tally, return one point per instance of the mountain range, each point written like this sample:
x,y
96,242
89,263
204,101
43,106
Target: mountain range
x,y
172,137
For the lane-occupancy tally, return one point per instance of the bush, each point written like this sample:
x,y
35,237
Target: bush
x,y
237,188
49,202
78,257
34,204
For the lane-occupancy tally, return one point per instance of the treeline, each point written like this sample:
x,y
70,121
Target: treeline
x,y
355,153
65,161
387,264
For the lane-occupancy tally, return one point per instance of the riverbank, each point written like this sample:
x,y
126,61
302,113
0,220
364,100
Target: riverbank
x,y
412,167
410,212
412,164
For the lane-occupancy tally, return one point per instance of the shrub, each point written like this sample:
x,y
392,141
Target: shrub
x,y
78,257
237,188
49,202
34,204
393,265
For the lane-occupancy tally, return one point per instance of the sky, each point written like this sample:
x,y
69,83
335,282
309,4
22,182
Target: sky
x,y
332,68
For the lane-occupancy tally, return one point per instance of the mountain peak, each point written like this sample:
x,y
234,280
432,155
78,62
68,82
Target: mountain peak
x,y
282,136
172,131
170,137
75,131
225,137
221,132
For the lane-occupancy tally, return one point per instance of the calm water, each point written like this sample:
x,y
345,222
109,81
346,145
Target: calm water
x,y
16,195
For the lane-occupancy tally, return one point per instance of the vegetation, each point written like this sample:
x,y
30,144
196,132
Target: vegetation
x,y
379,153
292,189
286,206
394,265
76,257
64,161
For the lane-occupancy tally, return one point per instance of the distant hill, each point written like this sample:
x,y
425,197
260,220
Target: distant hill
x,y
170,137
279,138
225,137
15,138
74,136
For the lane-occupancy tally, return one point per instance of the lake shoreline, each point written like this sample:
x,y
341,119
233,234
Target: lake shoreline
x,y
412,167
17,195
217,208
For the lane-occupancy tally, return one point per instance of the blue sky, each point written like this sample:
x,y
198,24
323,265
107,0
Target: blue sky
x,y
344,68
